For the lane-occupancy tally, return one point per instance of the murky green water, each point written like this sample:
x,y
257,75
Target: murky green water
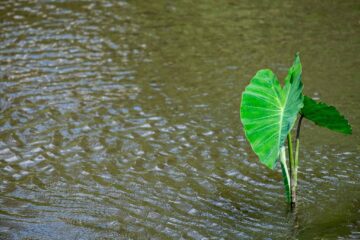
x,y
119,119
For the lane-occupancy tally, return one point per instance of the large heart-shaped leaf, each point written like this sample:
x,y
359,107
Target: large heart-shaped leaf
x,y
325,116
268,111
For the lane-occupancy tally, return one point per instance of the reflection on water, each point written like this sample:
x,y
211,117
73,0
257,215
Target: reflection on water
x,y
120,119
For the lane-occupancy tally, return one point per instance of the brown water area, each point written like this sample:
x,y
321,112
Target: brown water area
x,y
120,119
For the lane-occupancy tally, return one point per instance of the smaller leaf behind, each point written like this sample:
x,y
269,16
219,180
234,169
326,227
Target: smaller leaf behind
x,y
325,116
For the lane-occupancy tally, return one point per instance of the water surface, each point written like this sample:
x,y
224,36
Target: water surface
x,y
120,119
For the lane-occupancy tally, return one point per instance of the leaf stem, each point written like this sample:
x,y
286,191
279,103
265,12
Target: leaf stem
x,y
298,143
299,126
291,154
285,174
296,163
291,165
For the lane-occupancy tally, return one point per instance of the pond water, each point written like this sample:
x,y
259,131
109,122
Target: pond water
x,y
120,119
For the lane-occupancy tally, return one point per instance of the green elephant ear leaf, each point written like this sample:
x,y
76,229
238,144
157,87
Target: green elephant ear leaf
x,y
268,111
325,116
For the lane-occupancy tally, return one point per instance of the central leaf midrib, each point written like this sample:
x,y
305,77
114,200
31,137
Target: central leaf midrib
x,y
282,108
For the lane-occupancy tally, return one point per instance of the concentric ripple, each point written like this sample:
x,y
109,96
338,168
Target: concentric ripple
x,y
119,120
